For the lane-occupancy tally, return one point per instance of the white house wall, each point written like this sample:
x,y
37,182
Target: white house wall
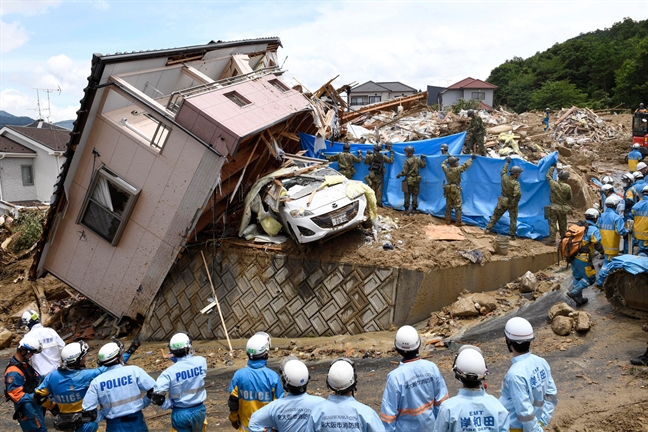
x,y
11,180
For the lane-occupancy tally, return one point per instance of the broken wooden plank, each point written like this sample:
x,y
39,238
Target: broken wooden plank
x,y
243,173
252,245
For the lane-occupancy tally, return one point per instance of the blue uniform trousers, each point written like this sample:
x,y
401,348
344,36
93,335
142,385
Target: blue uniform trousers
x,y
188,419
128,423
581,279
32,419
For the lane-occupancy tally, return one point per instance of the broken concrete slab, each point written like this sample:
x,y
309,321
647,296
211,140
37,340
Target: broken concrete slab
x,y
464,307
583,321
485,301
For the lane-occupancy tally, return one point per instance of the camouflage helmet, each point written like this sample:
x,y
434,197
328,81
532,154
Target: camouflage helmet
x,y
563,175
346,147
444,146
453,160
516,170
409,150
377,147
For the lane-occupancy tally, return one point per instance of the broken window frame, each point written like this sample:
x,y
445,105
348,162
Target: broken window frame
x,y
238,99
276,83
30,174
478,95
104,210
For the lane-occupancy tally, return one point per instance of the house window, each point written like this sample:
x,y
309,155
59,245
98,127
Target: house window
x,y
374,99
279,85
359,100
237,99
27,175
478,95
107,205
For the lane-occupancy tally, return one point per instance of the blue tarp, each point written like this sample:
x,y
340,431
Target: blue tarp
x,y
631,263
481,184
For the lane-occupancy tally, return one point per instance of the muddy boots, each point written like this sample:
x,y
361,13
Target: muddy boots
x,y
448,216
578,299
642,360
458,222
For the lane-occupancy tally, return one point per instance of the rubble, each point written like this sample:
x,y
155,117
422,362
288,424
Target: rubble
x,y
528,282
5,338
560,309
562,325
580,126
583,321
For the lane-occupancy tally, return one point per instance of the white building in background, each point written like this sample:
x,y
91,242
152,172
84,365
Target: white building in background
x,y
30,160
375,92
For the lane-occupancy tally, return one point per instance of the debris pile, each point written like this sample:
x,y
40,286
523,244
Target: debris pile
x,y
564,319
582,126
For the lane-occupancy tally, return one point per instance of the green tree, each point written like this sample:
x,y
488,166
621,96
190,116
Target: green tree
x,y
632,78
557,95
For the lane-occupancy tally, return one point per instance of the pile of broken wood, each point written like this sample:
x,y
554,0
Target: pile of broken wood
x,y
582,126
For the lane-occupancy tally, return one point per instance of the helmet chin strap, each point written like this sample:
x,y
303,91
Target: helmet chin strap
x,y
508,345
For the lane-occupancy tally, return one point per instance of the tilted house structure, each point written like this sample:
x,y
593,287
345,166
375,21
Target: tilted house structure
x,y
162,140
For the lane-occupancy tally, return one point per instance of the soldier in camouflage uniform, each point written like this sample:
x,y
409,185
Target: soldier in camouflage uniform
x,y
444,149
346,160
452,190
376,162
560,195
475,135
511,194
412,182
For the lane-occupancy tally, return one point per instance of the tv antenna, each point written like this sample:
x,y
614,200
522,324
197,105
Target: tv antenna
x,y
49,106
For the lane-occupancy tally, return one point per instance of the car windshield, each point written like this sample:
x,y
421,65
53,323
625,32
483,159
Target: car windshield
x,y
303,184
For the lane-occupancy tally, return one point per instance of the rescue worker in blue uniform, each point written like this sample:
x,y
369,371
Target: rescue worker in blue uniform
x,y
68,385
528,390
472,409
634,157
185,382
608,190
292,412
254,386
414,390
611,226
341,412
118,391
582,268
640,224
21,379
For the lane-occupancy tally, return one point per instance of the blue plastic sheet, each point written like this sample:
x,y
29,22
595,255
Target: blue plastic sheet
x,y
631,263
481,184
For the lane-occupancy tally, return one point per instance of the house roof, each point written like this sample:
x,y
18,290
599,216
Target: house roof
x,y
9,146
391,86
49,135
472,83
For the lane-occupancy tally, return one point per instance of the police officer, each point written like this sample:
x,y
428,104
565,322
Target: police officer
x,y
475,135
582,267
50,357
511,194
118,391
472,408
560,194
611,226
253,386
341,412
414,390
21,379
642,168
444,149
528,390
640,224
452,189
412,183
346,160
608,190
292,412
376,162
634,157
68,385
185,382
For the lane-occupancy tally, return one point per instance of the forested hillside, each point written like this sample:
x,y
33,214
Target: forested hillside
x,y
605,68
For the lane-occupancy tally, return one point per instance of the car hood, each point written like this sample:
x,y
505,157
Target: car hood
x,y
322,198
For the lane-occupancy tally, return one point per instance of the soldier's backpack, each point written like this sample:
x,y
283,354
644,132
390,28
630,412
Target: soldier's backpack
x,y
571,243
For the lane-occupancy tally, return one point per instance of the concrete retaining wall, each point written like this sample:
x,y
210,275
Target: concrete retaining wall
x,y
292,297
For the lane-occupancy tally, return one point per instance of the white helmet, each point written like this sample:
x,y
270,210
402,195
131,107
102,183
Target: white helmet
x,y
627,177
469,364
72,353
609,180
29,318
612,201
258,345
519,330
180,344
341,376
637,175
641,165
295,376
407,339
635,145
607,188
644,190
110,353
30,344
592,213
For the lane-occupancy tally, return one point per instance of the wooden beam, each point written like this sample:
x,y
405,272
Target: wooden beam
x,y
243,173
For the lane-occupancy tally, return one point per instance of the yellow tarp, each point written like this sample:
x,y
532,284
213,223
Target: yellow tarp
x,y
355,188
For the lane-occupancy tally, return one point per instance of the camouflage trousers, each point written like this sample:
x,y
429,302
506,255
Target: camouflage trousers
x,y
452,195
505,204
475,141
375,182
348,173
413,191
556,216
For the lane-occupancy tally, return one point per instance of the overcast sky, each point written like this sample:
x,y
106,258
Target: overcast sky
x,y
49,44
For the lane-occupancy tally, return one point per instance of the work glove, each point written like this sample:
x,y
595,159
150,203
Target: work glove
x,y
55,410
399,176
423,156
630,225
359,152
508,159
133,346
473,156
368,152
236,424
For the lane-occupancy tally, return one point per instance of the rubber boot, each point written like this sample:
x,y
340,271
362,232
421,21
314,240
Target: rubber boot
x,y
458,221
448,216
642,360
407,210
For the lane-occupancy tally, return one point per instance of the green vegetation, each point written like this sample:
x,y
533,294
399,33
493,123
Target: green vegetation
x,y
463,104
31,224
601,69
